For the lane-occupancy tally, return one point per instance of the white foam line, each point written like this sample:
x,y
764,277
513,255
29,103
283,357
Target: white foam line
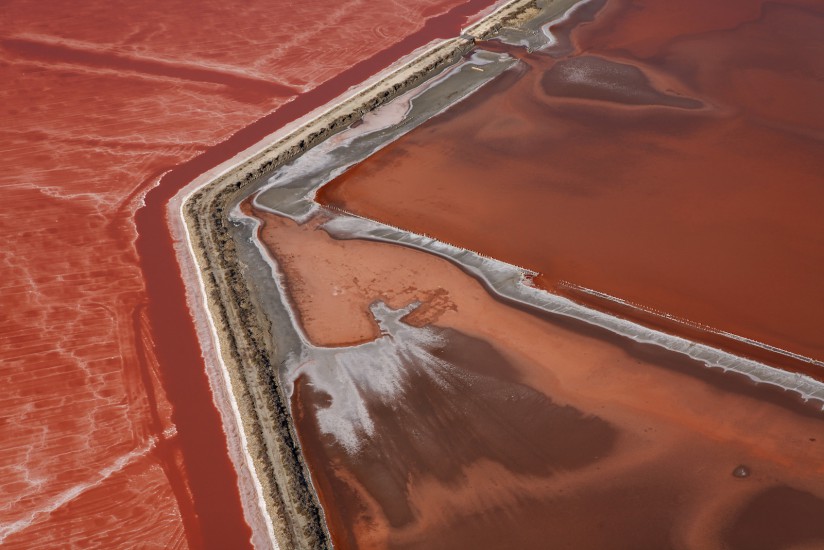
x,y
510,284
72,493
687,322
552,40
197,293
200,309
295,126
218,371
374,121
198,301
507,281
522,292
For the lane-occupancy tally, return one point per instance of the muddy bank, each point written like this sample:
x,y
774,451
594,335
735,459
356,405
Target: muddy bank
x,y
245,333
435,416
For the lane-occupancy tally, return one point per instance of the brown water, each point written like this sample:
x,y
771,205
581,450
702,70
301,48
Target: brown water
x,y
668,153
467,423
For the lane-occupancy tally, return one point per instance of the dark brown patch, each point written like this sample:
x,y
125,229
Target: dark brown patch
x,y
778,518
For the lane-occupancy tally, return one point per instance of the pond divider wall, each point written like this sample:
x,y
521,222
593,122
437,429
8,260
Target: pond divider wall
x,y
244,331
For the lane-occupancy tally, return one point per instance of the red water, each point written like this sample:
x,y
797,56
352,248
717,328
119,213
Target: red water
x,y
670,156
110,435
482,425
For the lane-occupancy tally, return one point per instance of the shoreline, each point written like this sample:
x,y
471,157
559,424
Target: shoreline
x,y
324,125
276,489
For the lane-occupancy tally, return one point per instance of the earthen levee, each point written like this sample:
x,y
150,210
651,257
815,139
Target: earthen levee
x,y
244,331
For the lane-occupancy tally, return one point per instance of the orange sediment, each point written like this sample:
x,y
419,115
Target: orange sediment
x,y
503,428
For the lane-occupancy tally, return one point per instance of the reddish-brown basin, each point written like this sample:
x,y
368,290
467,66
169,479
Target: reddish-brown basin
x,y
671,156
468,423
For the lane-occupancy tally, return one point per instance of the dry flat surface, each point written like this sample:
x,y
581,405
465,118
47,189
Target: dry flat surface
x,y
98,103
